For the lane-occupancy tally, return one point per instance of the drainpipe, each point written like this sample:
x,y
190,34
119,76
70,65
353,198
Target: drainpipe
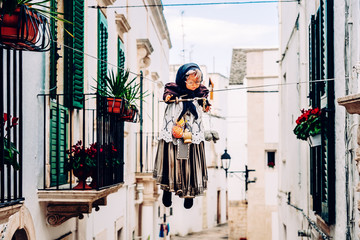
x,y
141,121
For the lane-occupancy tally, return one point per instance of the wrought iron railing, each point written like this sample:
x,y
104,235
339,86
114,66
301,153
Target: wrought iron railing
x,y
11,127
92,124
24,29
146,148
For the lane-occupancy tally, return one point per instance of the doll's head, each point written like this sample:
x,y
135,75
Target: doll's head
x,y
193,79
189,77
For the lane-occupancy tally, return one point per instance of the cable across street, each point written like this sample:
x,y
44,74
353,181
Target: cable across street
x,y
196,4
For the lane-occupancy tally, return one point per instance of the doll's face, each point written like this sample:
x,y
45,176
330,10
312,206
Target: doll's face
x,y
192,82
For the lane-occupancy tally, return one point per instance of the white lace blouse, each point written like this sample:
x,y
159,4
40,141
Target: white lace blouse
x,y
172,112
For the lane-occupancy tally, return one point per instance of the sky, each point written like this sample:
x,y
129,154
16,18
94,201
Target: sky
x,y
209,33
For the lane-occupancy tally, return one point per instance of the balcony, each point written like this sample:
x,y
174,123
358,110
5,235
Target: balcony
x,y
145,154
11,131
64,194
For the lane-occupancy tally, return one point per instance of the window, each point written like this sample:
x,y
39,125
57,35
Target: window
x,y
321,94
120,234
73,84
102,48
270,159
121,57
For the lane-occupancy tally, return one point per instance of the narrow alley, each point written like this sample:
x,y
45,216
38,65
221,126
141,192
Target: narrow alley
x,y
219,232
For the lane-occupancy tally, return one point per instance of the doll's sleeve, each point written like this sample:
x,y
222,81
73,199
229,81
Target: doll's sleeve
x,y
204,92
170,90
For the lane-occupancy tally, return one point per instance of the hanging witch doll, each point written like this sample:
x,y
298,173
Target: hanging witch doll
x,y
180,164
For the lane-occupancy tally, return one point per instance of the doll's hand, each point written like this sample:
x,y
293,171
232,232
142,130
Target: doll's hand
x,y
207,109
168,97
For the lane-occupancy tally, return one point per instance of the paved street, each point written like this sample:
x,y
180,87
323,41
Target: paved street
x,y
220,232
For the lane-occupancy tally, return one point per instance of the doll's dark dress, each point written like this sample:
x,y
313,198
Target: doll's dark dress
x,y
186,177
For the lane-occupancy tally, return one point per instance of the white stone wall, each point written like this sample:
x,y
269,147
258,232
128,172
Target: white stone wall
x,y
294,173
237,138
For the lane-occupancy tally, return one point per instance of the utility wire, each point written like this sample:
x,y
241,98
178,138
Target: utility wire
x,y
108,63
216,90
276,84
194,4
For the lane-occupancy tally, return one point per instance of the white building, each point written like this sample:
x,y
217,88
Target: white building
x,y
319,56
253,144
37,201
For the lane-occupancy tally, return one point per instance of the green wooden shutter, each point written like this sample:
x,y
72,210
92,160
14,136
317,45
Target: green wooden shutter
x,y
54,56
321,66
121,57
328,159
311,59
58,143
102,48
74,56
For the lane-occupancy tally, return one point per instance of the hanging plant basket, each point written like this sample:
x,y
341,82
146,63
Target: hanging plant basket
x,y
314,140
116,105
130,115
24,29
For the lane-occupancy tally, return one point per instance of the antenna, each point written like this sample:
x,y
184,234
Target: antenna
x,y
183,36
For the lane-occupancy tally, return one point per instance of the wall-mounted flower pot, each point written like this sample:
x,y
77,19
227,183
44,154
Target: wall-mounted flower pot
x,y
82,174
314,140
115,105
130,115
24,29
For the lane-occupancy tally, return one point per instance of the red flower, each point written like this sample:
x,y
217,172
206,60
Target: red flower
x,y
5,117
14,121
306,114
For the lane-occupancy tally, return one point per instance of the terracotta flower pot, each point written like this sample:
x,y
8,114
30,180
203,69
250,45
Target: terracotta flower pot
x,y
130,115
82,174
115,105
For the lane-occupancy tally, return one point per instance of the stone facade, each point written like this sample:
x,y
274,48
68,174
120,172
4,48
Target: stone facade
x,y
238,66
237,220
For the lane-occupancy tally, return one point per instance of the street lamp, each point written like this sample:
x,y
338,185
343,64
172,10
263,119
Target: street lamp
x,y
225,162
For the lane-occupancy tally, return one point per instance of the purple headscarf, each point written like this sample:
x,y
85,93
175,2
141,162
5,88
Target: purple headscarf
x,y
178,89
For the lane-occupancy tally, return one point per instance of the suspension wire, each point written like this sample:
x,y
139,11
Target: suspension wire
x,y
215,90
195,4
276,84
108,63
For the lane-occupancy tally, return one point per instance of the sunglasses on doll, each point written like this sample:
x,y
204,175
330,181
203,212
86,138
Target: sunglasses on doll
x,y
191,80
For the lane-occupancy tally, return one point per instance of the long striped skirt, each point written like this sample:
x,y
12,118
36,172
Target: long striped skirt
x,y
186,177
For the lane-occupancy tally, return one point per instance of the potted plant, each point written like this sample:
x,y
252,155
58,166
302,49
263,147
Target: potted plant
x,y
132,94
82,161
121,93
10,151
22,21
111,155
114,89
308,126
109,160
